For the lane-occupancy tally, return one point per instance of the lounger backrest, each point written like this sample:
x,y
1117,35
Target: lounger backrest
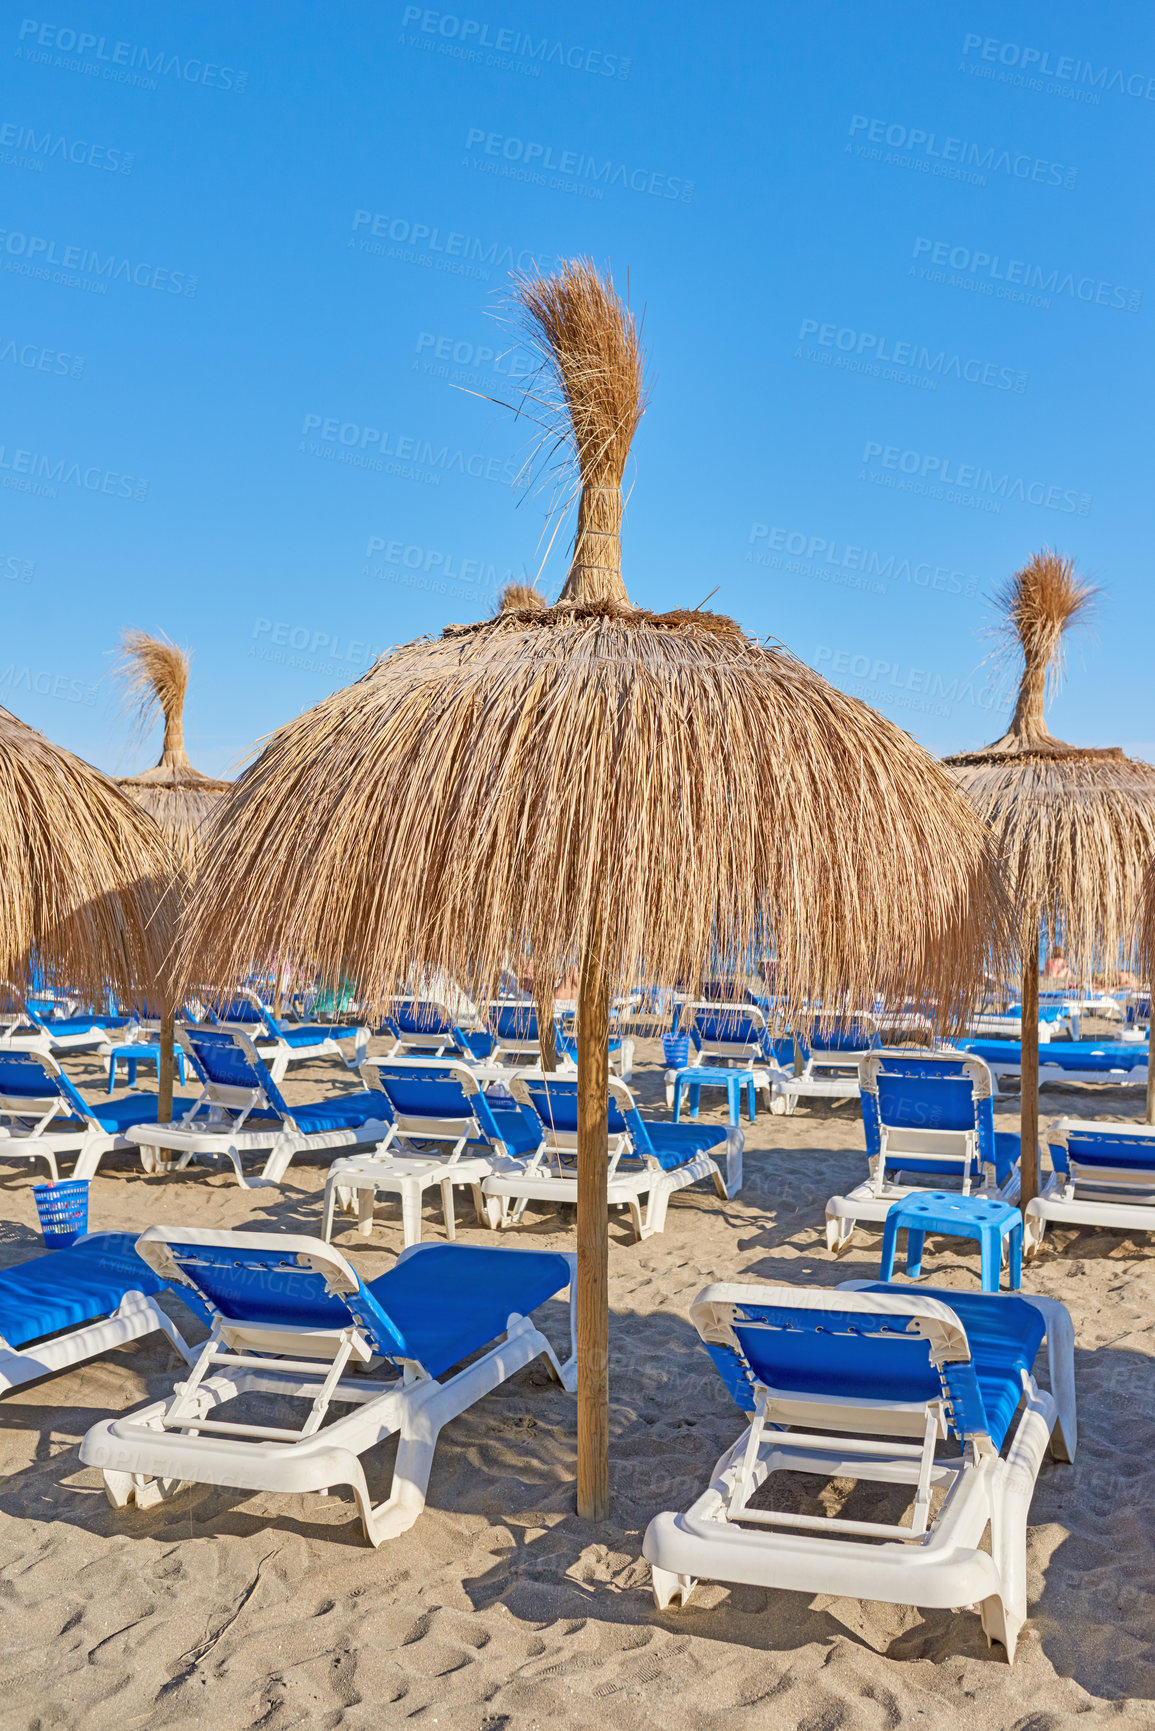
x,y
263,1013
738,1028
434,1091
512,1021
927,1091
819,1036
423,1021
31,1081
872,1347
233,1010
265,1277
228,1063
555,1098
1117,1147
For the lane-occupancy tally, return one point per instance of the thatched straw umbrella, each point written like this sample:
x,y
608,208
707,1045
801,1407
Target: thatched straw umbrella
x,y
81,869
1075,826
590,783
154,673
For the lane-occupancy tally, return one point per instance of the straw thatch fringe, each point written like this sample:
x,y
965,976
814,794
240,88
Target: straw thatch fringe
x,y
1075,827
660,780
81,872
154,673
591,368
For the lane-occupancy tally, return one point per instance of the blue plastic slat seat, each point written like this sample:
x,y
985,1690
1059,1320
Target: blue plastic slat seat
x,y
117,1116
313,1035
1064,1054
65,1288
1105,1149
452,1299
876,1361
342,1112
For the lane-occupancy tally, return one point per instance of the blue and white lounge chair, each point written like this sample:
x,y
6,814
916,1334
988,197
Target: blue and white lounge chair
x,y
1115,1063
240,1109
827,1057
648,1161
61,1308
37,1029
870,1363
928,1117
444,1132
44,1116
282,1043
426,1028
1102,1175
512,1026
738,1034
290,1318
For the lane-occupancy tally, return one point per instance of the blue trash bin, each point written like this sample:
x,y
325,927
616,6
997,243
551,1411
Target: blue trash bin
x,y
63,1211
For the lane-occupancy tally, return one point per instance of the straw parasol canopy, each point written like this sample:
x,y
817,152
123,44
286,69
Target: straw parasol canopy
x,y
1075,825
81,868
180,799
633,793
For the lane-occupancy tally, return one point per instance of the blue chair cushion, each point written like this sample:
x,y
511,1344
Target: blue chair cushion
x,y
453,1299
520,1129
1094,1148
674,1144
1063,1054
117,1116
342,1112
65,1288
313,1036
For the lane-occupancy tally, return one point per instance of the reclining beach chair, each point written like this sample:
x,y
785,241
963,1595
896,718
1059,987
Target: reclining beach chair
x,y
928,1117
827,1055
512,1026
1116,1063
290,1319
61,1308
444,1132
36,1029
1102,1175
282,1043
44,1116
872,1363
735,1034
240,1109
424,1027
648,1161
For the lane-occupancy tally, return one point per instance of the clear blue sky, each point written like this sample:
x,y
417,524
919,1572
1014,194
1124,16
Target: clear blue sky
x,y
895,266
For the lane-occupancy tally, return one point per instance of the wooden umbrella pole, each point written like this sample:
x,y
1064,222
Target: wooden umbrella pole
x,y
593,1297
164,1068
1150,1064
1029,1101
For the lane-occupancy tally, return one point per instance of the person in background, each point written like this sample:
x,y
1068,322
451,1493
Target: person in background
x,y
1055,967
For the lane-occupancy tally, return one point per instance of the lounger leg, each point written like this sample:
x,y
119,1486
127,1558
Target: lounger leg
x,y
668,1586
448,1210
89,1157
1033,1228
327,1215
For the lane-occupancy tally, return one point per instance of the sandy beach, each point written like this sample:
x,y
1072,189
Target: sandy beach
x,y
500,1609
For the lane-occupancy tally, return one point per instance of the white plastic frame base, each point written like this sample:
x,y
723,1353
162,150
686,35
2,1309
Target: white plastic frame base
x,y
135,1317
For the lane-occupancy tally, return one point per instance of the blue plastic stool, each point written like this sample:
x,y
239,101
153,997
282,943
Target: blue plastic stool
x,y
978,1217
697,1076
132,1055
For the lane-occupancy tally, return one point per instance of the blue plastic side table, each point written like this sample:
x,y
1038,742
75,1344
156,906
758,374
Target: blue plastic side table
x,y
697,1076
986,1219
132,1055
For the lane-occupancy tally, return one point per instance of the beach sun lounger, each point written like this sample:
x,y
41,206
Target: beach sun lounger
x,y
735,1034
873,1363
282,1043
928,1117
1117,1063
648,1161
444,1132
1103,1175
291,1318
512,1026
44,1116
241,1110
36,1029
425,1027
828,1054
66,1306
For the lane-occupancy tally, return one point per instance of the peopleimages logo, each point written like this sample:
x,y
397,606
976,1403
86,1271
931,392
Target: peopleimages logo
x,y
466,38
118,61
541,159
891,685
32,472
850,565
1040,63
1019,274
449,250
943,150
938,363
407,455
41,147
400,559
36,358
33,255
926,473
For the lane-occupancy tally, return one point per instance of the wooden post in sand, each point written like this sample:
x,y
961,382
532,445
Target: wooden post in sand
x,y
1029,1084
593,1292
